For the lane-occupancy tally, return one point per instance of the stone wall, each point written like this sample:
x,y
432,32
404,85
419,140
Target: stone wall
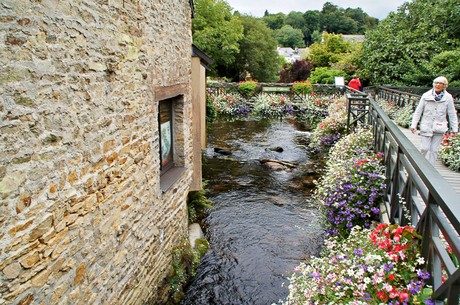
x,y
82,217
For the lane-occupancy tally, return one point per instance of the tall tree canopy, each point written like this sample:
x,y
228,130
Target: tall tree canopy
x,y
217,32
258,55
274,21
406,47
287,36
331,18
330,51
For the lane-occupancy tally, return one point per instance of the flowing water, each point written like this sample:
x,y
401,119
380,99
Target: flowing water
x,y
264,222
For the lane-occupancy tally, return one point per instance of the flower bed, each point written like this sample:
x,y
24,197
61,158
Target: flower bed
x,y
380,266
352,187
332,127
241,103
266,105
227,104
359,265
449,152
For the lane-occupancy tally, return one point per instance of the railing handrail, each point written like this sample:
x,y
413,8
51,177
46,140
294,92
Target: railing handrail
x,y
429,196
439,187
395,94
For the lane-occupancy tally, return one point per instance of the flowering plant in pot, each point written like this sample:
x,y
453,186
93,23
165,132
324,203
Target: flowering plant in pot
x,y
302,87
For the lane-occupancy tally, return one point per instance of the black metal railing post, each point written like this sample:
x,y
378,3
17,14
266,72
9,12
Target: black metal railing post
x,y
357,110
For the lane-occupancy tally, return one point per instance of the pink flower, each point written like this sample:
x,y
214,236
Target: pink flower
x,y
403,296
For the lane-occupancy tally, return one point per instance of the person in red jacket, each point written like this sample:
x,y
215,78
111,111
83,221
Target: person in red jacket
x,y
355,83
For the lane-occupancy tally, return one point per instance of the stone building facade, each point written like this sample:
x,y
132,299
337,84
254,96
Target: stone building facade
x,y
88,213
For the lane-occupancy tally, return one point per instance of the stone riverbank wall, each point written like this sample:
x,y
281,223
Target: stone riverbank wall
x,y
83,216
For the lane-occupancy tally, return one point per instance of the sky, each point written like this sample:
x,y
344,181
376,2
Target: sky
x,y
374,8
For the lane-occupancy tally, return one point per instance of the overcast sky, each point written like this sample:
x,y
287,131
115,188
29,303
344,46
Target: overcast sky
x,y
374,8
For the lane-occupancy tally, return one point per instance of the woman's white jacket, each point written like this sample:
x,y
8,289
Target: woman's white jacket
x,y
431,111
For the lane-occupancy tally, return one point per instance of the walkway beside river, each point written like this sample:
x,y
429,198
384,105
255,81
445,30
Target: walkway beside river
x,y
452,177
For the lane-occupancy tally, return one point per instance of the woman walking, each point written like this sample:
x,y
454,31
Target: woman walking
x,y
432,112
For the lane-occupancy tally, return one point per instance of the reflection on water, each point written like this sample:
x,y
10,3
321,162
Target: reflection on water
x,y
263,225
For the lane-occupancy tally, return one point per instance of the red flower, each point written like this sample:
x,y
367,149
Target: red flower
x,y
382,296
362,161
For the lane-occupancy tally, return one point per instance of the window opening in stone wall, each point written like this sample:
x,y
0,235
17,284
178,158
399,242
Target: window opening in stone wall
x,y
165,121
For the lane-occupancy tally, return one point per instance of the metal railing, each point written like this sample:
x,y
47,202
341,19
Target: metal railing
x,y
402,98
417,194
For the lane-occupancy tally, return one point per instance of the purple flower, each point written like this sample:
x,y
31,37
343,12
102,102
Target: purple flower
x,y
315,275
358,252
388,267
424,275
415,286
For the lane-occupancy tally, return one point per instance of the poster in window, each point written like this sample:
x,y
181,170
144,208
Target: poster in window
x,y
166,143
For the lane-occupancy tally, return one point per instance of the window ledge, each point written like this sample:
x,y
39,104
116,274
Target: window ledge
x,y
170,177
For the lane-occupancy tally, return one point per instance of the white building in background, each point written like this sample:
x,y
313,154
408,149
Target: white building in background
x,y
290,54
354,38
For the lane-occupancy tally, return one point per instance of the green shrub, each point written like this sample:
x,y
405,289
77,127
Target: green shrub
x,y
325,75
211,109
198,204
184,264
248,88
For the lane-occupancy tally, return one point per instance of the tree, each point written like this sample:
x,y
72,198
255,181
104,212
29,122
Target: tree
x,y
399,51
316,36
274,21
296,20
363,21
287,36
217,33
258,55
330,51
329,7
337,22
297,71
312,25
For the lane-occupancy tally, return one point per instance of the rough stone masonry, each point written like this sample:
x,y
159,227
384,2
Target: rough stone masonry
x,y
82,217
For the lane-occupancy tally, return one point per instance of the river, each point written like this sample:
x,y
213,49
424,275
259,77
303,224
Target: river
x,y
265,222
